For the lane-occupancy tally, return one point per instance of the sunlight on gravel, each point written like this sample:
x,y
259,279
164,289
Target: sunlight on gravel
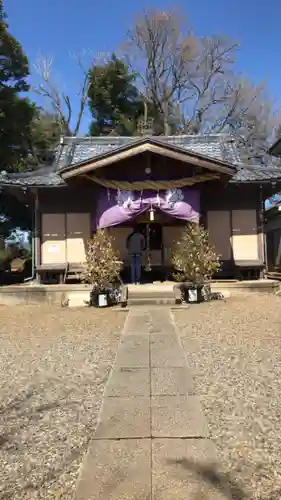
x,y
234,348
54,363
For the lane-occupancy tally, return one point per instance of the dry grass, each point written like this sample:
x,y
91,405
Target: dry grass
x,y
234,348
53,366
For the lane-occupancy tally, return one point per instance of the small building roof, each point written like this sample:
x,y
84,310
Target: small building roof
x,y
43,176
75,151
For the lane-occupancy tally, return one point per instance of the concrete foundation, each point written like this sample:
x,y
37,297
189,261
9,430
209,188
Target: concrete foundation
x,y
150,292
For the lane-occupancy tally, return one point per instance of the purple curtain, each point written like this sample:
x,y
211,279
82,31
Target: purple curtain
x,y
115,207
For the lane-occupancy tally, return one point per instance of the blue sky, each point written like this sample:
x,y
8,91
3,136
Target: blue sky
x,y
58,27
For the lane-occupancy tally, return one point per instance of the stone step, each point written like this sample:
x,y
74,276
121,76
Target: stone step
x,y
150,301
151,290
150,294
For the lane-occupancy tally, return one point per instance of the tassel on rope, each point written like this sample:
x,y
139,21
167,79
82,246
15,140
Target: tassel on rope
x,y
158,198
151,213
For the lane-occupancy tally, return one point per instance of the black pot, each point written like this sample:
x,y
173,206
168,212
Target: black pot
x,y
192,293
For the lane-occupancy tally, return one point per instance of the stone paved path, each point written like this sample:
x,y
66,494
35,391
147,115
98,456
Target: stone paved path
x,y
152,441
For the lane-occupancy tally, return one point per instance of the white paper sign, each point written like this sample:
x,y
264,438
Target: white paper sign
x,y
102,300
53,249
192,295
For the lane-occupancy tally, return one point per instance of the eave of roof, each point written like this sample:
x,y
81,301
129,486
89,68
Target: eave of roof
x,y
273,211
275,149
43,176
217,149
244,175
257,175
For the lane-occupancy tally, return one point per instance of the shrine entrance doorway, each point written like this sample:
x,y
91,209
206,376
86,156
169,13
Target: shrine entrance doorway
x,y
160,237
153,259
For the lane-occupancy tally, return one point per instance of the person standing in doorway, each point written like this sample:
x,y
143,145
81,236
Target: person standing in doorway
x,y
135,247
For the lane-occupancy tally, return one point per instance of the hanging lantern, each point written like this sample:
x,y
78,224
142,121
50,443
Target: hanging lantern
x,y
151,214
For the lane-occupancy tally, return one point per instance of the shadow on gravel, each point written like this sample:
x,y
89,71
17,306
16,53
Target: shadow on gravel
x,y
20,411
224,483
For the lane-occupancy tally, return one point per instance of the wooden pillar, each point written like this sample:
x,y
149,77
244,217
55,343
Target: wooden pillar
x,y
37,235
261,235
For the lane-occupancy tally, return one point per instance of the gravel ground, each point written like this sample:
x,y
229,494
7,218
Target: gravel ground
x,y
234,348
53,366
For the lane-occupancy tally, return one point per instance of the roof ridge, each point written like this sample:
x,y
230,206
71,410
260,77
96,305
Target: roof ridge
x,y
96,139
120,139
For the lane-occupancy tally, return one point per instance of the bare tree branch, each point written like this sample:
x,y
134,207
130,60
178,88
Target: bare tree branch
x,y
59,100
84,87
49,90
191,82
156,44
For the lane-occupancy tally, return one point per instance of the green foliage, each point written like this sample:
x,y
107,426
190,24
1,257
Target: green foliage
x,y
114,100
16,112
13,254
14,214
16,115
6,257
102,267
45,136
14,63
193,258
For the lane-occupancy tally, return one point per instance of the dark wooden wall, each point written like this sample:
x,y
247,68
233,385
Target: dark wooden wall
x,y
72,198
81,197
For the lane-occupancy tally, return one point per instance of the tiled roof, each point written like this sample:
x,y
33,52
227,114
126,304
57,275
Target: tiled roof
x,y
219,147
74,150
44,176
251,173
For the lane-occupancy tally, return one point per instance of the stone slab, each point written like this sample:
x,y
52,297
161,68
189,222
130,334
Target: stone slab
x,y
124,418
177,417
163,341
137,323
171,381
115,470
161,322
186,469
141,341
125,382
171,357
132,356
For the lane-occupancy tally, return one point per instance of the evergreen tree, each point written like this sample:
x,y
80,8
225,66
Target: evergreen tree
x,y
16,112
114,101
45,137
